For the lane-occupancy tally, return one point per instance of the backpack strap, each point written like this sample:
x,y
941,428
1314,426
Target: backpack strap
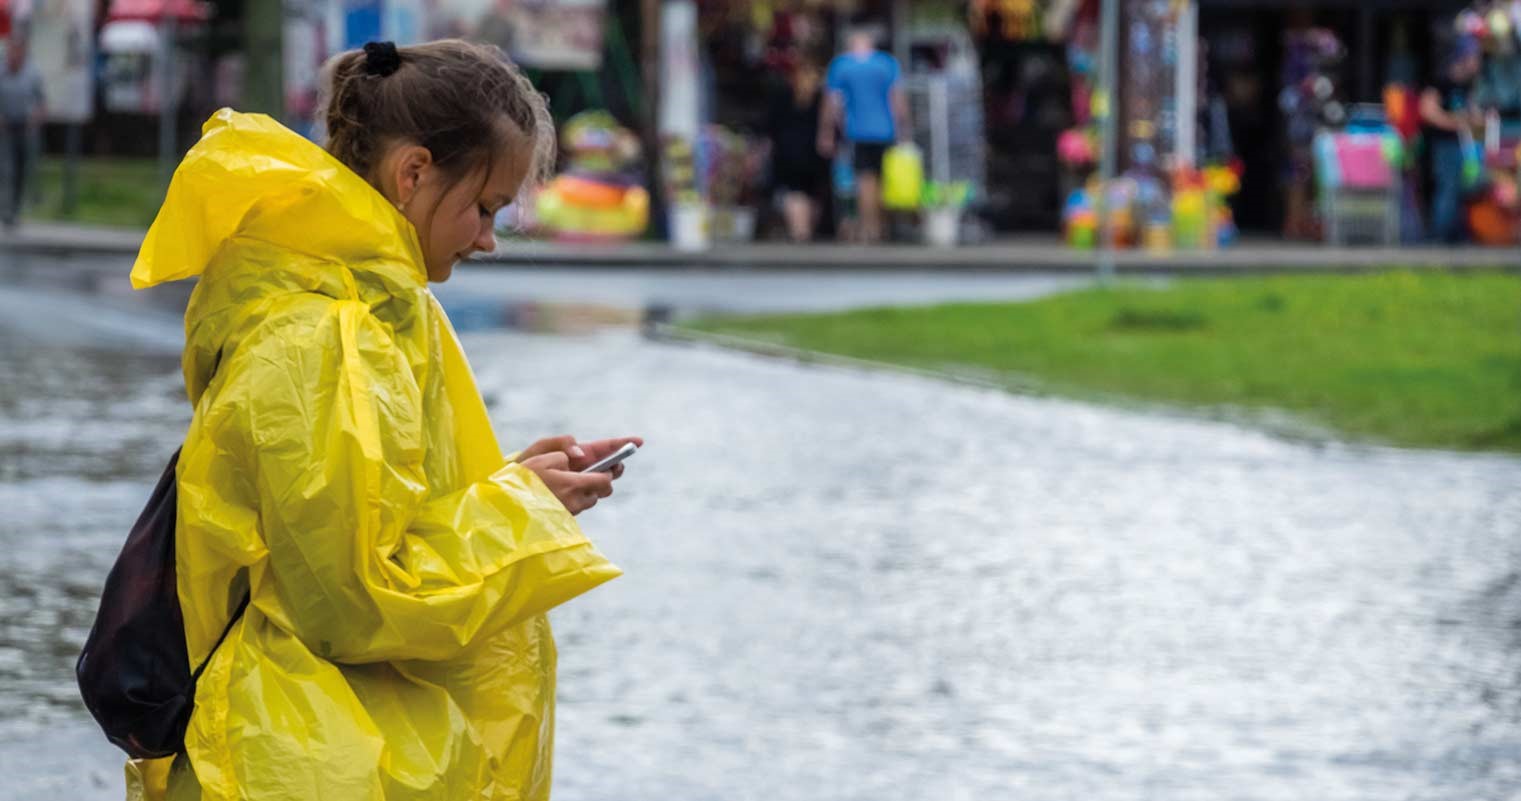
x,y
196,676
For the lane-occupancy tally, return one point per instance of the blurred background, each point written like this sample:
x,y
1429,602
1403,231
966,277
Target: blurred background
x,y
1236,120
1124,404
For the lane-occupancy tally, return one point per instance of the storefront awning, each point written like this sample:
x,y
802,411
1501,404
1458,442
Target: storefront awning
x,y
159,10
129,36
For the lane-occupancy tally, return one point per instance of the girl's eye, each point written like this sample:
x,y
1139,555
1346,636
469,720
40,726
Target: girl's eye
x,y
485,212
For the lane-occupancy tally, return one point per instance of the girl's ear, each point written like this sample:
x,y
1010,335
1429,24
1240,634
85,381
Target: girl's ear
x,y
409,164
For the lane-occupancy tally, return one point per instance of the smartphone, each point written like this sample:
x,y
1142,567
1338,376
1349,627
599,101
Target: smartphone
x,y
617,457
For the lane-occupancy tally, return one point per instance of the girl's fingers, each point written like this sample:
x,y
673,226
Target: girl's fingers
x,y
556,460
564,443
599,484
585,499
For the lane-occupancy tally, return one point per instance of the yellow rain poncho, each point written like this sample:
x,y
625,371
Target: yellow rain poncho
x,y
340,467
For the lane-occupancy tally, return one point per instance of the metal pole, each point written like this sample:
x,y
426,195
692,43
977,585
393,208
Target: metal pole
x,y
899,22
649,118
264,44
1188,84
940,129
71,148
1109,29
168,102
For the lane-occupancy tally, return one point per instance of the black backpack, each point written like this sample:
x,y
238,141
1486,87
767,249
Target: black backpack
x,y
134,670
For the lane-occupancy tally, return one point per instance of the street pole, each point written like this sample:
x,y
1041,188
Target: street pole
x,y
649,122
900,21
71,148
1109,29
680,117
168,102
1187,91
263,42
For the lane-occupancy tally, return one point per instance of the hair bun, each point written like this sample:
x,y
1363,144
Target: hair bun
x,y
381,58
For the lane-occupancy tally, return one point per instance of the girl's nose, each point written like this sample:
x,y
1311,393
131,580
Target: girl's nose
x,y
485,241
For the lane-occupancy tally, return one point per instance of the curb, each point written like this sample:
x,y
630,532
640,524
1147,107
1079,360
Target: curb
x,y
1007,257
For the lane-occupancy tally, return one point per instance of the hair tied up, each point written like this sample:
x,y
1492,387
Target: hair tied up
x,y
381,58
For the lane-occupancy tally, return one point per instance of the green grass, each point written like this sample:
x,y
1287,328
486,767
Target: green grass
x,y
115,192
1417,359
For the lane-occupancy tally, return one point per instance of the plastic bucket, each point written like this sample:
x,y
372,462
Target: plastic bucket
x,y
942,227
689,228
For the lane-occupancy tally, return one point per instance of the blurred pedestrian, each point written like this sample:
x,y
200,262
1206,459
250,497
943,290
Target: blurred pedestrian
x,y
1449,116
864,89
1309,101
799,171
340,470
22,107
497,27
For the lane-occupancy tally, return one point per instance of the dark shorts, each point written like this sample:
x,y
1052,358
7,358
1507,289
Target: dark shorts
x,y
806,175
868,156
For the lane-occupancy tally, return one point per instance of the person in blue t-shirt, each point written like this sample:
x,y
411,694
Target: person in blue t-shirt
x,y
864,90
1447,109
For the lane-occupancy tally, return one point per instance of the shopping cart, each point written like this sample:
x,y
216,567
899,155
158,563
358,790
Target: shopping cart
x,y
1360,183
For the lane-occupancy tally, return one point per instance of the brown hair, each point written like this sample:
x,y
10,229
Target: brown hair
x,y
448,96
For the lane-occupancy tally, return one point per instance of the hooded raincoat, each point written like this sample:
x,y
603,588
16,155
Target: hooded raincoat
x,y
341,470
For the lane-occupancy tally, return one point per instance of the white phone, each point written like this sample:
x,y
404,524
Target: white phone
x,y
617,457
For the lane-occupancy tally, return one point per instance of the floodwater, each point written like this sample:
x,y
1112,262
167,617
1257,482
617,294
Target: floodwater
x,y
852,585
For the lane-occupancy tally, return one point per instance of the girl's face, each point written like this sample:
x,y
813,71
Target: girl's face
x,y
455,218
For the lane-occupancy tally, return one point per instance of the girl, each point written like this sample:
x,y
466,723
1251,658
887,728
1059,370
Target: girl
x,y
340,475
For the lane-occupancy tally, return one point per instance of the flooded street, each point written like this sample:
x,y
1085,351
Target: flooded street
x,y
852,585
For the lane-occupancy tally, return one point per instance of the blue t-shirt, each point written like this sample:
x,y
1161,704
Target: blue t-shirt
x,y
866,83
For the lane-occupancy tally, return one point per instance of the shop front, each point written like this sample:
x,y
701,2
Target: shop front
x,y
761,73
1283,72
1282,120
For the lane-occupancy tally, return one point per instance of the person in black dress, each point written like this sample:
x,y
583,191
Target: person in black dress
x,y
800,173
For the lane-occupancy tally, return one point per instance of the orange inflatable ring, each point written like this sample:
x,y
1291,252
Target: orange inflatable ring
x,y
1492,225
587,193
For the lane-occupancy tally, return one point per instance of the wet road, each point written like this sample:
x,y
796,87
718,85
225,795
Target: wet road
x,y
852,585
632,288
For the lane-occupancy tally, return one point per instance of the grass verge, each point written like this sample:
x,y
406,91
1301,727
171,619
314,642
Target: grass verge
x,y
1423,359
115,192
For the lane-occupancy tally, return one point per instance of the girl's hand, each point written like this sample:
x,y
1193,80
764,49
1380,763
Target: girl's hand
x,y
582,455
577,491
